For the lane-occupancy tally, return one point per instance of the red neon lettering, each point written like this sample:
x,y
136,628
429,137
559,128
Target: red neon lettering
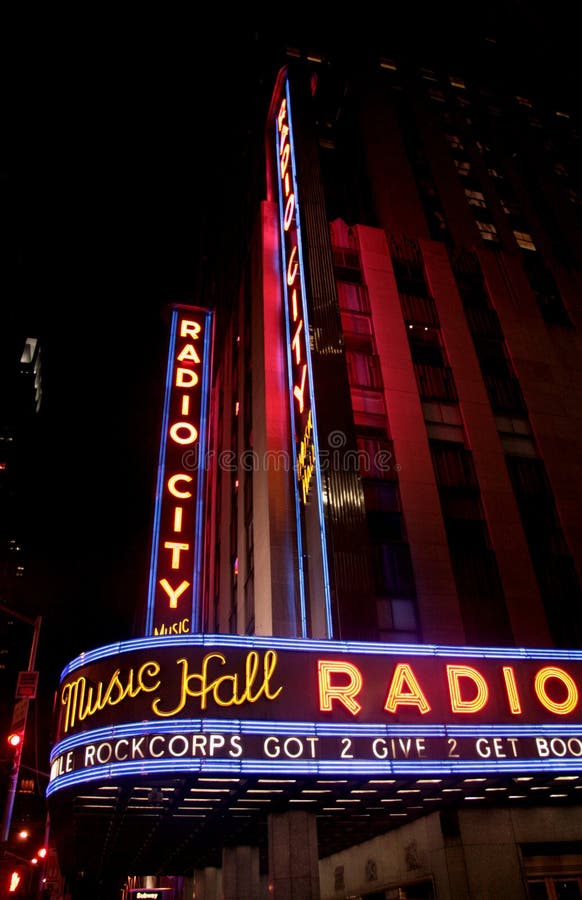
x,y
173,481
299,391
560,708
191,433
188,351
512,692
405,690
292,262
454,674
190,329
176,550
174,593
186,378
289,210
344,693
295,343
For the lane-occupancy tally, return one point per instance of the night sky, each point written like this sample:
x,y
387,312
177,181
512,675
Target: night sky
x,y
126,159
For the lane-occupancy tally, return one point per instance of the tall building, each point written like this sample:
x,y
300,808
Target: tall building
x,y
20,399
439,303
392,526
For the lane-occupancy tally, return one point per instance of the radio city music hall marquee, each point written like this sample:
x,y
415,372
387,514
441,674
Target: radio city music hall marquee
x,y
176,557
258,705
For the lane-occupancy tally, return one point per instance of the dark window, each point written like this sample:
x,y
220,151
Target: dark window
x,y
425,346
392,568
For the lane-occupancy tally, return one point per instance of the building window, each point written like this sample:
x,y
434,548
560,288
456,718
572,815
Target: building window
x,y
363,369
436,95
368,408
454,142
419,310
488,231
435,382
375,458
388,64
346,263
443,422
425,345
457,82
515,435
352,297
453,465
397,615
524,240
392,568
462,166
475,198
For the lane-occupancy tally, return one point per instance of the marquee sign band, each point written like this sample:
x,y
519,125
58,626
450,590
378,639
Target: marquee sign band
x,y
223,703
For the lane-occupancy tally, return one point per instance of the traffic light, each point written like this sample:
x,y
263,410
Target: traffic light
x,y
13,749
14,740
42,852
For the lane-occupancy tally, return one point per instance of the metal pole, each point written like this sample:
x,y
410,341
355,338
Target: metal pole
x,y
13,780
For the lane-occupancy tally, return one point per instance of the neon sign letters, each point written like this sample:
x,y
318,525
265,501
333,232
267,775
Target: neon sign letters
x,y
177,541
296,318
213,703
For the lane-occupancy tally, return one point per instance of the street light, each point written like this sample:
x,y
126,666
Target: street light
x,y
18,727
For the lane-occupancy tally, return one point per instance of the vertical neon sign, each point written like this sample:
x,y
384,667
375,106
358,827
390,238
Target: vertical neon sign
x,y
302,405
176,559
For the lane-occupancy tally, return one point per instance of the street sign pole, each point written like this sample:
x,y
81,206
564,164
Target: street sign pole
x,y
20,713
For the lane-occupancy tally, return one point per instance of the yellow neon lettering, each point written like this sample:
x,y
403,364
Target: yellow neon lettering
x,y
188,352
189,328
185,411
511,688
282,113
285,159
405,691
186,378
295,344
234,691
174,593
454,674
294,304
173,481
292,266
176,550
191,433
298,391
344,693
567,705
82,698
289,210
178,518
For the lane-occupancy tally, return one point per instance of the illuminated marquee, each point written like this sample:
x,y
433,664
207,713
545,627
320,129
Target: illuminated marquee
x,y
296,312
210,704
177,541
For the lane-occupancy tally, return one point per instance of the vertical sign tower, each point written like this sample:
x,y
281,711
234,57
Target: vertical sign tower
x,y
175,580
314,586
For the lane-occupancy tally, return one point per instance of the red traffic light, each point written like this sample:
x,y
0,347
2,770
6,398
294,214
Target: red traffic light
x,y
15,739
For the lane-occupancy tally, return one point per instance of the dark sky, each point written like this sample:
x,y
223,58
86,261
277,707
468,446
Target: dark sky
x,y
125,157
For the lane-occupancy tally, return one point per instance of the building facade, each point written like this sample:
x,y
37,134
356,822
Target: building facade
x,y
436,309
381,664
